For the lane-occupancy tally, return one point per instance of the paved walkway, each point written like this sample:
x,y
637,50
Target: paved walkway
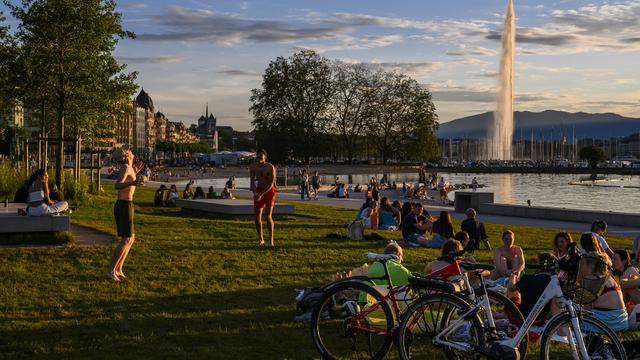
x,y
356,201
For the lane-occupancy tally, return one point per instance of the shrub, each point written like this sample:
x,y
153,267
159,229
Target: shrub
x,y
75,192
10,181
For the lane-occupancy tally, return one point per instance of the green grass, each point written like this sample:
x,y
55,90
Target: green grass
x,y
197,287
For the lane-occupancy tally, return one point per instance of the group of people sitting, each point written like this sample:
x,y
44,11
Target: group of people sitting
x,y
167,196
617,302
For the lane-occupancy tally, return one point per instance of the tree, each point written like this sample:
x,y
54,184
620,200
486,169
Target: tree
x,y
404,116
354,90
291,108
6,49
593,154
66,60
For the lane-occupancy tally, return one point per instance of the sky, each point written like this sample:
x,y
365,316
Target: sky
x,y
572,55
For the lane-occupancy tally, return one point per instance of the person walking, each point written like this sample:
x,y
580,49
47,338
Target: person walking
x,y
315,184
304,185
262,177
123,211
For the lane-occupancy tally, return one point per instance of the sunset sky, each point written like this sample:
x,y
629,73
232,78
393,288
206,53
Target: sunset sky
x,y
571,55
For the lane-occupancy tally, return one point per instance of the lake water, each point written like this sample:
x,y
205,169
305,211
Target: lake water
x,y
542,189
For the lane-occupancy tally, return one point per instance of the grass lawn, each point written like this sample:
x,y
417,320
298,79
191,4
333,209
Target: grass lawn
x,y
196,287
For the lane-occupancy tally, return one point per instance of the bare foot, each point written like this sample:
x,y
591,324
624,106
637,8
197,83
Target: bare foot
x,y
272,243
120,274
261,242
112,276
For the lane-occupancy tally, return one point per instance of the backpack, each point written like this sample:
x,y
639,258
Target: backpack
x,y
308,298
355,230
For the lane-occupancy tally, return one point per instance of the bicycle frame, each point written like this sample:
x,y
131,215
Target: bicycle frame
x,y
391,296
552,291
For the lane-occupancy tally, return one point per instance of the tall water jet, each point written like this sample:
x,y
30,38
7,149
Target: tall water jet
x,y
501,132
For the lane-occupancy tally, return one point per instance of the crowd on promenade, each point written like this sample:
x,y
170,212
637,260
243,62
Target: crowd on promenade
x,y
167,196
618,299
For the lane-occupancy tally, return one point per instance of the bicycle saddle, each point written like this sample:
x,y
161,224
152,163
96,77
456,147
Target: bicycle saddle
x,y
428,283
375,256
472,266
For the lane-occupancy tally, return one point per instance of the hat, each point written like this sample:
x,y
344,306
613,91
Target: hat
x,y
118,153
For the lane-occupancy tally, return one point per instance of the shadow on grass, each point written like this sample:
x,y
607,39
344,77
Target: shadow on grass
x,y
216,325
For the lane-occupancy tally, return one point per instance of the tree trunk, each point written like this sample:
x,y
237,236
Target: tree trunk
x,y
60,157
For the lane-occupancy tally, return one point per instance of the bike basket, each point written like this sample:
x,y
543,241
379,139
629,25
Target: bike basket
x,y
587,284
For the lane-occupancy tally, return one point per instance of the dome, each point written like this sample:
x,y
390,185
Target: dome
x,y
144,100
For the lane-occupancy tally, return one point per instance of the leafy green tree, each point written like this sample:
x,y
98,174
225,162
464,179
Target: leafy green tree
x,y
66,60
404,116
6,48
351,105
291,109
593,154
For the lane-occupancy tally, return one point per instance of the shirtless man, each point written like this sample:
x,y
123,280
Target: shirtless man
x,y
123,211
262,176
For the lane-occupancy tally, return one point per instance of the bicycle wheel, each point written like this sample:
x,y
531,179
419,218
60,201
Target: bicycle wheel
x,y
559,340
508,320
427,318
352,322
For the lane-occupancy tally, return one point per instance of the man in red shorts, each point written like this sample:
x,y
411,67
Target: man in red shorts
x,y
263,185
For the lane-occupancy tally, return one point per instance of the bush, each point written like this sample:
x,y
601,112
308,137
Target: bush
x,y
10,181
76,193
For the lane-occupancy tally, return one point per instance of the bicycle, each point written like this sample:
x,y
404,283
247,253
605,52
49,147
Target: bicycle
x,y
353,319
486,300
460,332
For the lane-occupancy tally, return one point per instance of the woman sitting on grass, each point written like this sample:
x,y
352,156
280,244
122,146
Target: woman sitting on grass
x,y
199,194
173,195
448,247
589,243
561,243
629,276
609,306
389,215
159,197
508,258
187,194
443,228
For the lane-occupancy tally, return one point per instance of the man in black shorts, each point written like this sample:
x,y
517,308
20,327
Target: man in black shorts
x,y
123,211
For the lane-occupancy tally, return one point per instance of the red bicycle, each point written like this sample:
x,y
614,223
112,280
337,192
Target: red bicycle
x,y
355,320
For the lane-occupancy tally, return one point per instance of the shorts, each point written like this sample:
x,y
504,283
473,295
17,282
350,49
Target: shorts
x,y
123,212
443,192
268,199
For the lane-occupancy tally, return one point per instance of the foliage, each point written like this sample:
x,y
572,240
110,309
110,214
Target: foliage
x,y
196,287
172,147
291,108
76,192
403,115
11,179
7,48
305,97
65,63
354,94
592,154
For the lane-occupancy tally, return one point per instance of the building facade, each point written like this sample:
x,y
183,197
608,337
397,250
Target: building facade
x,y
207,130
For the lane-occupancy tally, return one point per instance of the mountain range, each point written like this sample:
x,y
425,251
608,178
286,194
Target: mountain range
x,y
549,123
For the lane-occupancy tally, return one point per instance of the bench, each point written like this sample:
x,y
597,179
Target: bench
x,y
14,223
234,207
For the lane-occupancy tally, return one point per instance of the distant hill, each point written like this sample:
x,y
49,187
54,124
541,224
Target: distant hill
x,y
599,126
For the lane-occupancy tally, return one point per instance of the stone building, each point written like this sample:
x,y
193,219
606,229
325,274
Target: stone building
x,y
207,130
144,131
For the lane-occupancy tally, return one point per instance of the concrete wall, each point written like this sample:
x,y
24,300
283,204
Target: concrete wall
x,y
561,214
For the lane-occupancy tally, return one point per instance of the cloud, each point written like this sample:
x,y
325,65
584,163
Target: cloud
x,y
238,72
409,68
481,94
191,25
464,51
136,6
149,60
593,27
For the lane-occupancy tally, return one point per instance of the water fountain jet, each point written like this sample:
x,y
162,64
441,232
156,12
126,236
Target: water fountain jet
x,y
501,132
